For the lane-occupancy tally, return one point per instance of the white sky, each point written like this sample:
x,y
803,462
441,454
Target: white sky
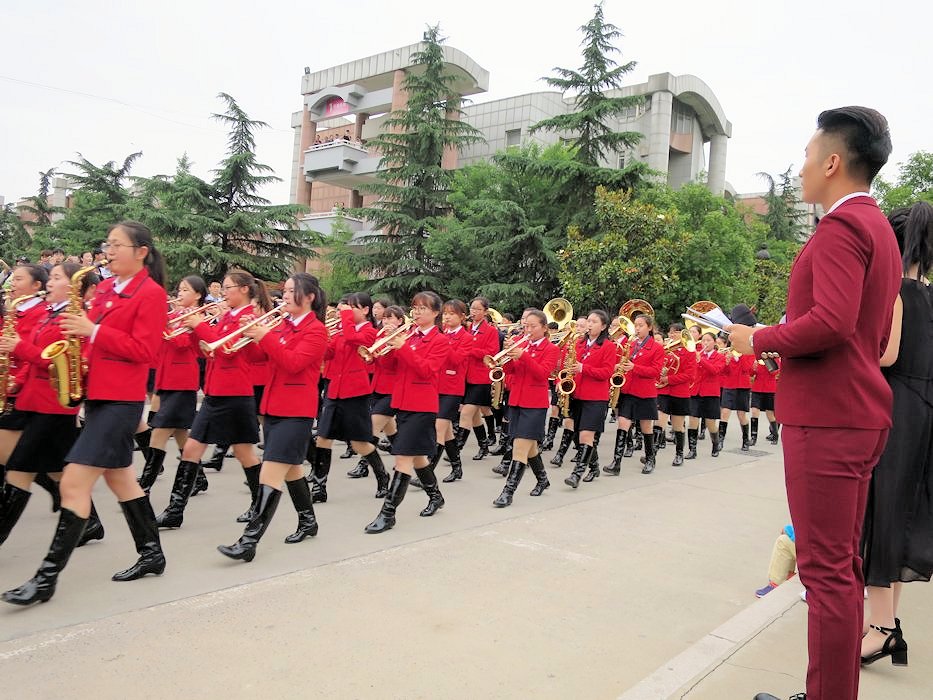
x,y
773,66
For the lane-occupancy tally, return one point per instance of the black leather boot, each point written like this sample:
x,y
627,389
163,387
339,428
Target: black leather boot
x,y
460,435
586,453
142,441
745,443
501,448
50,485
309,454
512,480
679,447
723,427
349,452
717,442
692,443
456,465
374,459
565,438
429,484
301,499
386,518
502,469
649,453
360,471
773,435
490,422
615,468
552,425
200,482
244,549
13,502
182,487
702,430
319,475
252,480
142,522
592,467
638,442
216,462
438,453
41,587
660,441
754,432
94,529
630,442
537,468
480,432
151,468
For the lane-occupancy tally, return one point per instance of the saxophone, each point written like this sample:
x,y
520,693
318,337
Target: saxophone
x,y
7,381
566,384
617,380
67,366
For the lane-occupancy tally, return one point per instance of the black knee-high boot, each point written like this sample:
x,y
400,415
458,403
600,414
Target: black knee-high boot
x,y
374,459
200,482
49,484
621,441
692,443
480,432
649,453
754,433
630,442
185,475
386,518
142,522
592,467
565,438
586,453
679,447
490,422
300,493
216,461
244,549
252,480
512,480
41,587
456,464
142,441
460,435
773,437
94,529
502,469
537,468
553,424
723,428
429,484
151,468
660,441
319,474
716,440
13,502
745,443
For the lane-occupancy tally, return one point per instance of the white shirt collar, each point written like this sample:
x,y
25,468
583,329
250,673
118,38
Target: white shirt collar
x,y
299,319
843,200
536,343
237,312
26,305
60,305
427,332
454,331
360,325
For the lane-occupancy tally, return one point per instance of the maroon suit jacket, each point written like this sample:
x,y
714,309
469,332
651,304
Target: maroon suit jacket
x,y
839,305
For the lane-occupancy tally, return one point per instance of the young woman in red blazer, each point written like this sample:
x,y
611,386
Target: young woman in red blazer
x,y
680,383
736,394
176,384
452,385
228,412
764,387
345,412
529,399
476,410
123,331
49,429
596,361
295,349
421,355
710,366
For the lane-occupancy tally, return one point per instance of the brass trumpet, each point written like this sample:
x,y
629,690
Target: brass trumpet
x,y
211,310
495,362
270,319
381,347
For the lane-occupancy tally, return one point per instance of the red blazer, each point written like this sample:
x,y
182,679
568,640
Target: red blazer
x,y
294,354
453,373
641,381
840,300
26,322
420,361
738,372
127,340
528,375
485,341
228,375
680,384
384,370
177,368
598,364
765,382
709,373
349,376
36,393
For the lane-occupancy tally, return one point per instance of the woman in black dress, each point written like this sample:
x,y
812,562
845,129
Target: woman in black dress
x,y
897,540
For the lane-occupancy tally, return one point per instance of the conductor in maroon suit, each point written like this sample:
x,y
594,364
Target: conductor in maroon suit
x,y
832,399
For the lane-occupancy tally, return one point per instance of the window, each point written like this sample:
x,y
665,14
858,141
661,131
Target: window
x,y
513,137
621,161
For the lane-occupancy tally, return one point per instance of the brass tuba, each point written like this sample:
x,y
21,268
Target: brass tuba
x,y
629,310
559,311
67,368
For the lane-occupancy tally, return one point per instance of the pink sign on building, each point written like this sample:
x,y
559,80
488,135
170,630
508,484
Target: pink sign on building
x,y
335,106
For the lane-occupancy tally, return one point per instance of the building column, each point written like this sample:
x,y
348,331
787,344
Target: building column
x,y
361,118
451,153
716,180
356,199
659,131
399,93
308,131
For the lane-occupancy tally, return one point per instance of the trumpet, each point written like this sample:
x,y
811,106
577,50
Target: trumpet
x,y
495,362
381,347
270,320
211,310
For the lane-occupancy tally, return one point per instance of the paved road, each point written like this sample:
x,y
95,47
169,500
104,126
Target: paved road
x,y
575,594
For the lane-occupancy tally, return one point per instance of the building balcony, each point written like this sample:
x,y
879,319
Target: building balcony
x,y
346,164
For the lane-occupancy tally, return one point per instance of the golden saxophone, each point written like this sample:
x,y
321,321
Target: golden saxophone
x,y
7,381
617,380
566,384
67,366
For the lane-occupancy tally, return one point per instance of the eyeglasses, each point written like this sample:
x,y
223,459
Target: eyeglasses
x,y
115,247
233,286
420,309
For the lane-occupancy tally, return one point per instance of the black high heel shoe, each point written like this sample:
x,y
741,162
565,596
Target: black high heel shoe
x,y
894,646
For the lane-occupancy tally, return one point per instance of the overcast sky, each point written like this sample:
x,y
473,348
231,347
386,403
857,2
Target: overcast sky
x,y
106,80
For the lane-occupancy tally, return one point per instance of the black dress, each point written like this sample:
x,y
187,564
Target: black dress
x,y
897,540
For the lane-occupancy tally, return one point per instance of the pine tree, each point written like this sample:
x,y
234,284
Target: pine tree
x,y
413,186
784,218
38,209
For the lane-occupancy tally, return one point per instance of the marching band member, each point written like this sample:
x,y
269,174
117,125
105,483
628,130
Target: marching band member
x,y
477,397
532,364
763,389
680,383
736,394
452,384
569,433
228,412
554,420
177,383
421,356
345,412
639,400
596,361
295,348
502,469
49,428
124,329
710,366
696,333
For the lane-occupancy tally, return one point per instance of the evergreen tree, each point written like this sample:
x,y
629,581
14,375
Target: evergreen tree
x,y
784,218
37,208
413,186
14,239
